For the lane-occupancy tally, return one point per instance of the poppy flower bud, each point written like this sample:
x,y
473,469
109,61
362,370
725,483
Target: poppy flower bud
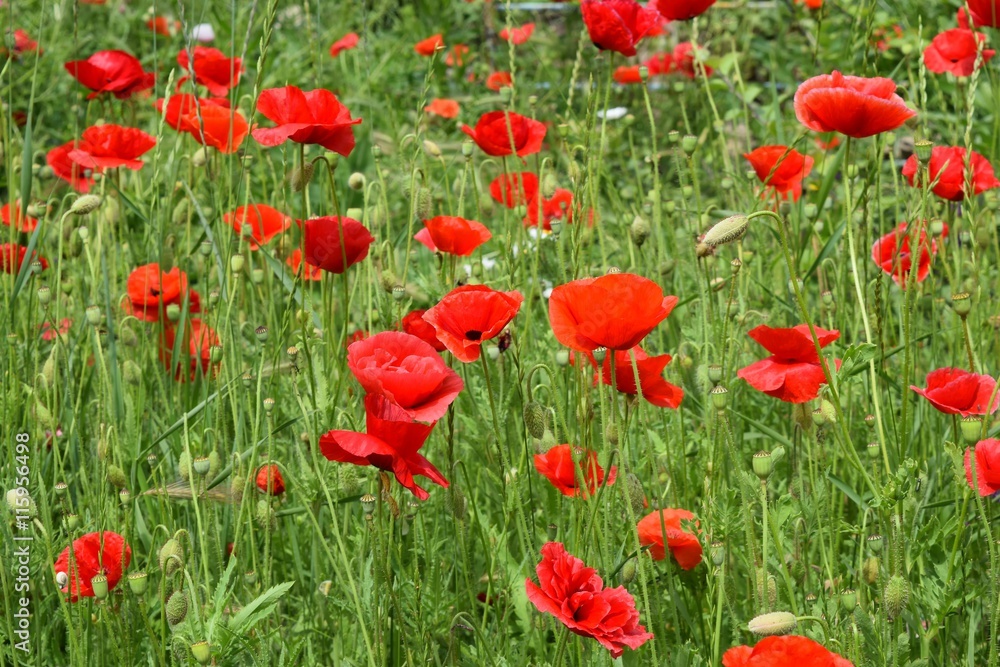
x,y
265,516
93,315
100,585
236,263
962,304
85,204
629,570
173,312
137,582
356,182
763,466
177,607
972,428
269,480
562,357
431,148
896,596
200,157
829,411
301,176
171,556
257,276
775,623
725,231
368,503
116,476
639,231
869,570
848,599
923,149
534,419
726,183
634,494
202,652
689,143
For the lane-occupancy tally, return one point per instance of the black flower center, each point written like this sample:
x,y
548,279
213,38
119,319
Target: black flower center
x,y
474,335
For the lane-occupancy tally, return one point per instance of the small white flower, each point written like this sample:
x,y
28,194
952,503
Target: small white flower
x,y
203,32
614,113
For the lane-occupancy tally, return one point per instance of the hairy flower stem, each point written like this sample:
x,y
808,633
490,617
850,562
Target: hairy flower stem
x,y
980,506
763,546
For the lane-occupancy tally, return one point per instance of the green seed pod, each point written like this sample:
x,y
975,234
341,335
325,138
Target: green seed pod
x,y
720,397
848,599
763,465
137,582
895,597
117,477
775,623
202,652
171,556
177,607
639,231
534,419
961,303
100,585
972,429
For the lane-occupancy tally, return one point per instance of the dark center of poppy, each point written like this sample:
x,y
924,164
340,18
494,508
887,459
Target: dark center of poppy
x,y
474,335
154,291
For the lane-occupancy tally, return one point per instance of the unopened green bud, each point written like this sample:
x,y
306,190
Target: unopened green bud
x,y
629,570
85,204
356,181
639,231
236,263
775,623
171,556
177,607
117,476
301,176
896,596
534,419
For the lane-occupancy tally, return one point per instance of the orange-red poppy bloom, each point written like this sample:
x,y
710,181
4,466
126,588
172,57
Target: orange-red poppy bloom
x,y
162,25
471,314
576,596
210,121
985,12
345,43
662,530
618,25
427,47
571,477
151,290
115,72
200,339
453,235
309,272
628,74
12,258
793,372
784,651
655,389
955,391
498,80
212,68
64,168
443,107
18,218
514,189
269,480
894,255
780,169
684,60
110,146
21,43
265,222
518,35
313,117
335,244
956,50
456,56
414,324
615,311
948,173
501,133
987,467
91,555
852,105
680,10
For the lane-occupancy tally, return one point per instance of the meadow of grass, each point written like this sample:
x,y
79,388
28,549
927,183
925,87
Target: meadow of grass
x,y
224,346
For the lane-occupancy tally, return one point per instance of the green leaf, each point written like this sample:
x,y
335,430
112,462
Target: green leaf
x,y
259,608
848,491
856,357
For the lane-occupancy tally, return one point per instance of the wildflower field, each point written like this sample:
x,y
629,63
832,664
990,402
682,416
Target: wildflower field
x,y
494,333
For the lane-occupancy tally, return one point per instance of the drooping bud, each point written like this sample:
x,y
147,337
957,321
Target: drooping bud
x,y
775,623
869,570
171,556
432,149
85,204
177,607
356,181
301,176
116,476
534,419
629,570
639,231
725,231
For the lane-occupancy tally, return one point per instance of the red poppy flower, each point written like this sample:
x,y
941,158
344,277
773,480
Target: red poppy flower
x,y
314,117
956,50
852,105
955,391
345,43
453,235
110,146
443,108
660,64
20,220
200,339
827,141
894,256
212,69
336,244
414,324
498,80
667,533
12,257
557,207
269,480
558,466
471,314
63,167
784,651
161,25
987,467
514,189
22,43
654,388
427,47
501,133
615,311
114,72
985,12
680,10
576,596
392,443
265,222
518,35
50,333
627,75
781,169
811,4
92,554
310,272
618,25
406,371
684,62
793,372
947,167
456,57
150,289
219,126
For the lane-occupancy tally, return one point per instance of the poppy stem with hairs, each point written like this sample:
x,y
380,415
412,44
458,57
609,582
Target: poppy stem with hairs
x,y
980,506
561,648
849,450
